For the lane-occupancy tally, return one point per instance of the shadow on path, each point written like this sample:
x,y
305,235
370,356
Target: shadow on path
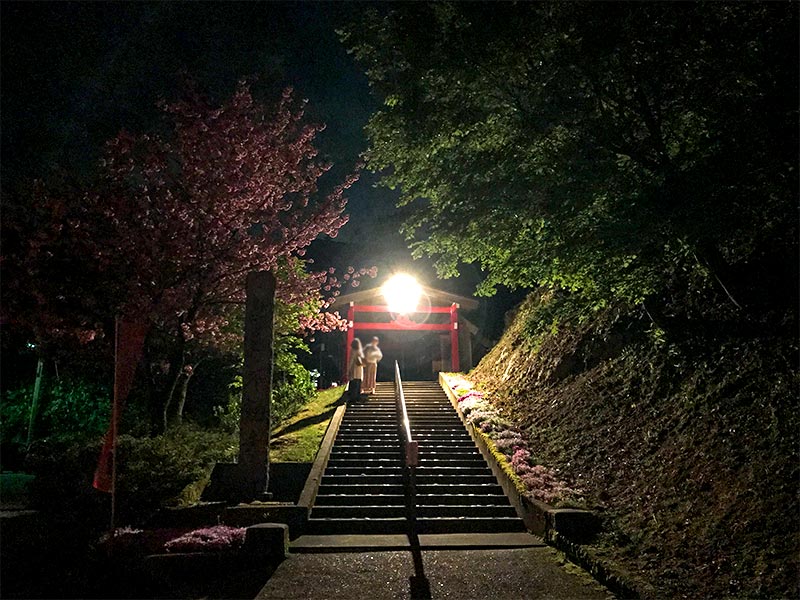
x,y
313,420
420,587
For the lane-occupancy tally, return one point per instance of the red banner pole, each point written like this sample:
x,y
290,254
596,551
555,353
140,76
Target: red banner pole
x,y
128,343
113,433
454,362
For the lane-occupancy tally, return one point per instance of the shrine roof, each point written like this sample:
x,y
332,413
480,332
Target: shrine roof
x,y
374,296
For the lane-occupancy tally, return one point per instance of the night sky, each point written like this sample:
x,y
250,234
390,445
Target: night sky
x,y
74,74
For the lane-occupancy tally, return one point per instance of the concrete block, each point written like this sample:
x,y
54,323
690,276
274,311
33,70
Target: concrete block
x,y
267,541
577,525
224,483
286,480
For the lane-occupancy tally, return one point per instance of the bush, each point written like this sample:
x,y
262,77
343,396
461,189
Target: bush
x,y
62,486
14,415
292,388
67,407
168,469
76,406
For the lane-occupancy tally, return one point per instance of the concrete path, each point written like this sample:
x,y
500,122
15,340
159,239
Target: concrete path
x,y
425,541
495,574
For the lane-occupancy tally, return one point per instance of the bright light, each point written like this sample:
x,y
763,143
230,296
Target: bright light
x,y
402,293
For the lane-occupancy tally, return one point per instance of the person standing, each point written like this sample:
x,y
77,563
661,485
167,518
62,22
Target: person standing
x,y
372,355
355,370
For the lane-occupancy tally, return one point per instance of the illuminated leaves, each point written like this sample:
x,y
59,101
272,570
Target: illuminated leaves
x,y
566,145
175,220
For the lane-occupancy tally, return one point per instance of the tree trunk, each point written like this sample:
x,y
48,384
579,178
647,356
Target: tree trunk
x,y
710,255
174,376
153,396
178,416
37,392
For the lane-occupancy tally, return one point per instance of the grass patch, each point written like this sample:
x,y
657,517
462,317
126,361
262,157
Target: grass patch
x,y
299,438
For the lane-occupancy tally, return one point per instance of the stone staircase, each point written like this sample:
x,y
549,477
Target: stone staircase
x,y
361,491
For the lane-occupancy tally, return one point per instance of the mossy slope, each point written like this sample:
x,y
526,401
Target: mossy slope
x,y
688,449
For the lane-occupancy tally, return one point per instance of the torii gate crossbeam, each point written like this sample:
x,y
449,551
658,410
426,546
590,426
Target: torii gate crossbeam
x,y
452,326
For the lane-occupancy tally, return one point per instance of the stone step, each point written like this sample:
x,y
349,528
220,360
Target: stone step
x,y
435,452
429,510
368,429
399,499
387,471
423,525
370,414
386,453
424,446
425,462
397,469
440,437
366,448
381,437
432,484
401,542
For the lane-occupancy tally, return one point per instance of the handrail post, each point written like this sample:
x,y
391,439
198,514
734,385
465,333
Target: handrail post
x,y
410,450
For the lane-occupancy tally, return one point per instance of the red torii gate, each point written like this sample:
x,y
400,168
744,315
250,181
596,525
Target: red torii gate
x,y
400,324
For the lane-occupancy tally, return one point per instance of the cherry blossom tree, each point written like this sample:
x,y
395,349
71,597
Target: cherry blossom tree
x,y
170,227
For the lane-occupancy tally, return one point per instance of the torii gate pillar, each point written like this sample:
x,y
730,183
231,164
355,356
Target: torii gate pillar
x,y
454,362
452,327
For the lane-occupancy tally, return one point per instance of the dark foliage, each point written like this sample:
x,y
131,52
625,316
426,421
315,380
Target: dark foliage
x,y
642,153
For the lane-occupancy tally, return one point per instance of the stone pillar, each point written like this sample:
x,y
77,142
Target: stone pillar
x,y
254,426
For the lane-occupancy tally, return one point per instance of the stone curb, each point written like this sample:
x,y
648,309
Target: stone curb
x,y
309,493
563,528
255,513
538,517
596,568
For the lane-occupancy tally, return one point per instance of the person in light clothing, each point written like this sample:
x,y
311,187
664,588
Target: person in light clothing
x,y
372,355
355,370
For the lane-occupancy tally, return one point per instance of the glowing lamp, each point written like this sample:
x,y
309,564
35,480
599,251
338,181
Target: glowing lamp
x,y
402,293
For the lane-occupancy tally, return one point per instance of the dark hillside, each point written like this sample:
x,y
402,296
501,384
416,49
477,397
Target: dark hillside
x,y
688,449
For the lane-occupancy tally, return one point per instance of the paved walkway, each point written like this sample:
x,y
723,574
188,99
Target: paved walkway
x,y
497,574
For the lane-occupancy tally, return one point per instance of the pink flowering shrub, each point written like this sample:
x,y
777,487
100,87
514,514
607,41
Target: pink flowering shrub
x,y
476,417
468,395
509,445
132,542
541,482
521,461
544,485
209,539
487,427
474,403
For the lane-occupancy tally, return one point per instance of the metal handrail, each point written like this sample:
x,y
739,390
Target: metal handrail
x,y
411,447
